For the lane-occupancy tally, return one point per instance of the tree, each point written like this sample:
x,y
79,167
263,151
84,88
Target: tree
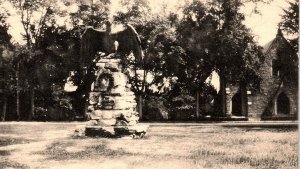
x,y
33,32
161,51
5,62
90,13
215,38
40,61
94,14
138,15
194,34
290,22
236,56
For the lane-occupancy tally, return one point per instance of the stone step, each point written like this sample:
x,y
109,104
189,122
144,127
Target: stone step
x,y
100,131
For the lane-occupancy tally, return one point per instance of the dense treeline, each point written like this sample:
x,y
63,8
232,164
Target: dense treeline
x,y
181,51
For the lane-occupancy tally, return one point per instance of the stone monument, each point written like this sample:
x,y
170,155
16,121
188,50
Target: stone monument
x,y
112,104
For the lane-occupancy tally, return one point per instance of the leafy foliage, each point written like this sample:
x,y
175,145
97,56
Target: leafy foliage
x,y
194,34
180,50
290,22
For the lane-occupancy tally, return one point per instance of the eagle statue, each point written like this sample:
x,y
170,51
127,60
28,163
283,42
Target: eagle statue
x,y
124,36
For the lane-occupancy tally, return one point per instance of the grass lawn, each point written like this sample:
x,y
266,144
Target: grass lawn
x,y
52,146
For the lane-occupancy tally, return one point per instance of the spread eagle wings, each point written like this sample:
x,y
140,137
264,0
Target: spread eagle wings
x,y
94,41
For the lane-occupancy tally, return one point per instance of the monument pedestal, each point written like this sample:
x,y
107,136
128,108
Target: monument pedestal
x,y
111,100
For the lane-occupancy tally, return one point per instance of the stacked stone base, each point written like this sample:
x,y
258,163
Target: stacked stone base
x,y
111,100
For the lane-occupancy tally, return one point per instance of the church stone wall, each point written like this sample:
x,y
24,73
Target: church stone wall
x,y
270,88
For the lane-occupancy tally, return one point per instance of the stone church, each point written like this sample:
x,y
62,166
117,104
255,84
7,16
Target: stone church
x,y
277,96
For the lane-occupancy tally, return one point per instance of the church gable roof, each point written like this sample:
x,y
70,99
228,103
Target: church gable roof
x,y
278,41
284,54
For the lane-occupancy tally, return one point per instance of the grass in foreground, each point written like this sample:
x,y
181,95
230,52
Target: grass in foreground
x,y
165,147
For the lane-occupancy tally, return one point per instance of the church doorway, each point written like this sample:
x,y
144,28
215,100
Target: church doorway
x,y
237,105
283,104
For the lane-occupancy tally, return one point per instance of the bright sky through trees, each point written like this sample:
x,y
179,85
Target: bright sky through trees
x,y
263,26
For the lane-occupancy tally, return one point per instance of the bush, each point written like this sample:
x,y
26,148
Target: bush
x,y
155,109
182,107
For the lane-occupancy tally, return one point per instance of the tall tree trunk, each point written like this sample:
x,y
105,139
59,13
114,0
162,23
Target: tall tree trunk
x,y
32,93
4,108
18,92
223,94
140,106
197,104
244,99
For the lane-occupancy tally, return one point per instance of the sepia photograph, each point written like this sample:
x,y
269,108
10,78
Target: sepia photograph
x,y
149,84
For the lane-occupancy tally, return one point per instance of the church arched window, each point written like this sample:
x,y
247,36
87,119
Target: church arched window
x,y
275,67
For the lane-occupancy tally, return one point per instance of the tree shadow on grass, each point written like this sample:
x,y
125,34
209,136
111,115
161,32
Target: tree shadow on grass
x,y
58,151
5,153
10,141
4,163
